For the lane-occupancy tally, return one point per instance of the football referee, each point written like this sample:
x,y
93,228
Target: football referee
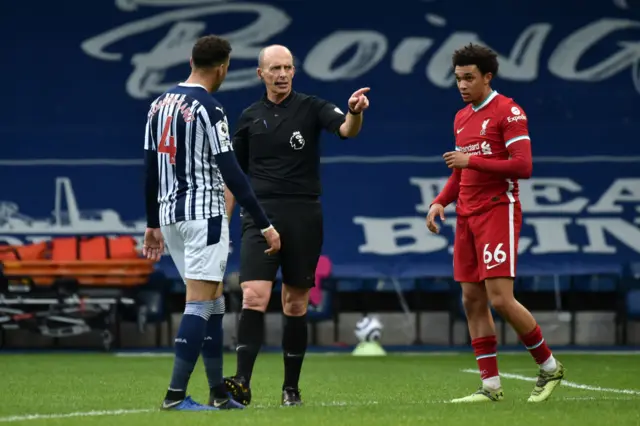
x,y
277,143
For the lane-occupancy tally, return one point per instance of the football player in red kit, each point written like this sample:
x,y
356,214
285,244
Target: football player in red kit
x,y
492,152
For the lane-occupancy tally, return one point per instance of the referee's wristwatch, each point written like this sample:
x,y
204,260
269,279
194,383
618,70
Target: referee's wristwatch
x,y
264,231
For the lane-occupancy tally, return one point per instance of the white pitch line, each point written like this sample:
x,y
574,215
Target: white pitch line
x,y
600,398
564,383
99,413
24,417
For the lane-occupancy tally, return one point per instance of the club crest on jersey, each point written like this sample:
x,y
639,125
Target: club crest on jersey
x,y
485,123
296,141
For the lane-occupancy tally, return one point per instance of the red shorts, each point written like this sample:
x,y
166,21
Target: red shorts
x,y
486,245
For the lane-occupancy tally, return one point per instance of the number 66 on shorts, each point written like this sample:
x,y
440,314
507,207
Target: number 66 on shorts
x,y
486,245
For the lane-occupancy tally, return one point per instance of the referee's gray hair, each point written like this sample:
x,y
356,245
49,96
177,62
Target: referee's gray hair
x,y
261,56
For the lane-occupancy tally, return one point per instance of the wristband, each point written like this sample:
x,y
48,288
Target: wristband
x,y
352,112
263,231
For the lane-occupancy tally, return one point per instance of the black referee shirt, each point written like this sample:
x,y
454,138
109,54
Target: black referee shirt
x,y
278,145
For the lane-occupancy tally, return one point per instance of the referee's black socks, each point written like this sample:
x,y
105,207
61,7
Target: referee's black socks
x,y
250,335
294,347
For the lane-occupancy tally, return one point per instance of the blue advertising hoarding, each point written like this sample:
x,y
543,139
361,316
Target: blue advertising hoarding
x,y
83,75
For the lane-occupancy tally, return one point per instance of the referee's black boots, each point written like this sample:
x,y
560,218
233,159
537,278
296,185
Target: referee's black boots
x,y
291,397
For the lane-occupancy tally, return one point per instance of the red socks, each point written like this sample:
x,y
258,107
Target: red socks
x,y
485,349
535,344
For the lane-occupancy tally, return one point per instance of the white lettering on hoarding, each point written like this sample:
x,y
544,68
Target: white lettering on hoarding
x,y
555,214
558,219
369,48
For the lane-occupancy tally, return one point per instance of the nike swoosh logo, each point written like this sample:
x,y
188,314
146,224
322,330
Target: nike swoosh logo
x,y
493,266
171,404
218,404
459,130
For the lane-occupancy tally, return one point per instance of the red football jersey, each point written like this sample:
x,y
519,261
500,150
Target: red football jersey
x,y
487,131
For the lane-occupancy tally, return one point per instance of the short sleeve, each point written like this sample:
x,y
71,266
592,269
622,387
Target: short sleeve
x,y
149,144
216,127
514,124
329,115
148,137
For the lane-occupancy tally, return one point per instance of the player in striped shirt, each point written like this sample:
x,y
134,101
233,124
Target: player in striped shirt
x,y
492,152
189,159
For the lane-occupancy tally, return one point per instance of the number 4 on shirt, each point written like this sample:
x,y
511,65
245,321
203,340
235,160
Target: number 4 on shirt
x,y
167,143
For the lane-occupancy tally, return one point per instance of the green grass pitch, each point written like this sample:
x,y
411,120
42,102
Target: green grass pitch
x,y
103,389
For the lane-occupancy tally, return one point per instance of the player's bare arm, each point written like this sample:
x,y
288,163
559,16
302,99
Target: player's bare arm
x,y
489,219
185,214
358,102
153,245
436,210
447,196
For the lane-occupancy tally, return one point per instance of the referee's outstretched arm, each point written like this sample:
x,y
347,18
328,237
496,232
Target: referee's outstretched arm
x,y
350,128
358,102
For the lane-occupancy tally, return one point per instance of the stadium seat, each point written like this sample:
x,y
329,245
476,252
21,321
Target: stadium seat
x,y
543,283
350,285
497,319
151,301
388,285
321,298
595,283
434,285
634,270
323,311
633,304
629,302
629,312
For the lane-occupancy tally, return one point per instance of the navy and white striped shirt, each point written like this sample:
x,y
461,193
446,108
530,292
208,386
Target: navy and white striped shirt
x,y
186,127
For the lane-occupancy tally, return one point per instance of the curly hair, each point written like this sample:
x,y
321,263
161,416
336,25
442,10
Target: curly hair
x,y
209,51
473,54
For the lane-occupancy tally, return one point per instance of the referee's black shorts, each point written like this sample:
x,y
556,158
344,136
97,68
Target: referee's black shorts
x,y
300,224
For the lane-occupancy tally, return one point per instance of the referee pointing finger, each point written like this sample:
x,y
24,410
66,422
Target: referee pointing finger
x,y
277,143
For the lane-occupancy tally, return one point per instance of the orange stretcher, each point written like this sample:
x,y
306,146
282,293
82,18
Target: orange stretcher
x,y
113,272
91,261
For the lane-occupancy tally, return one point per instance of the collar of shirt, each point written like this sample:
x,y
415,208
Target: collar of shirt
x,y
183,84
285,102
